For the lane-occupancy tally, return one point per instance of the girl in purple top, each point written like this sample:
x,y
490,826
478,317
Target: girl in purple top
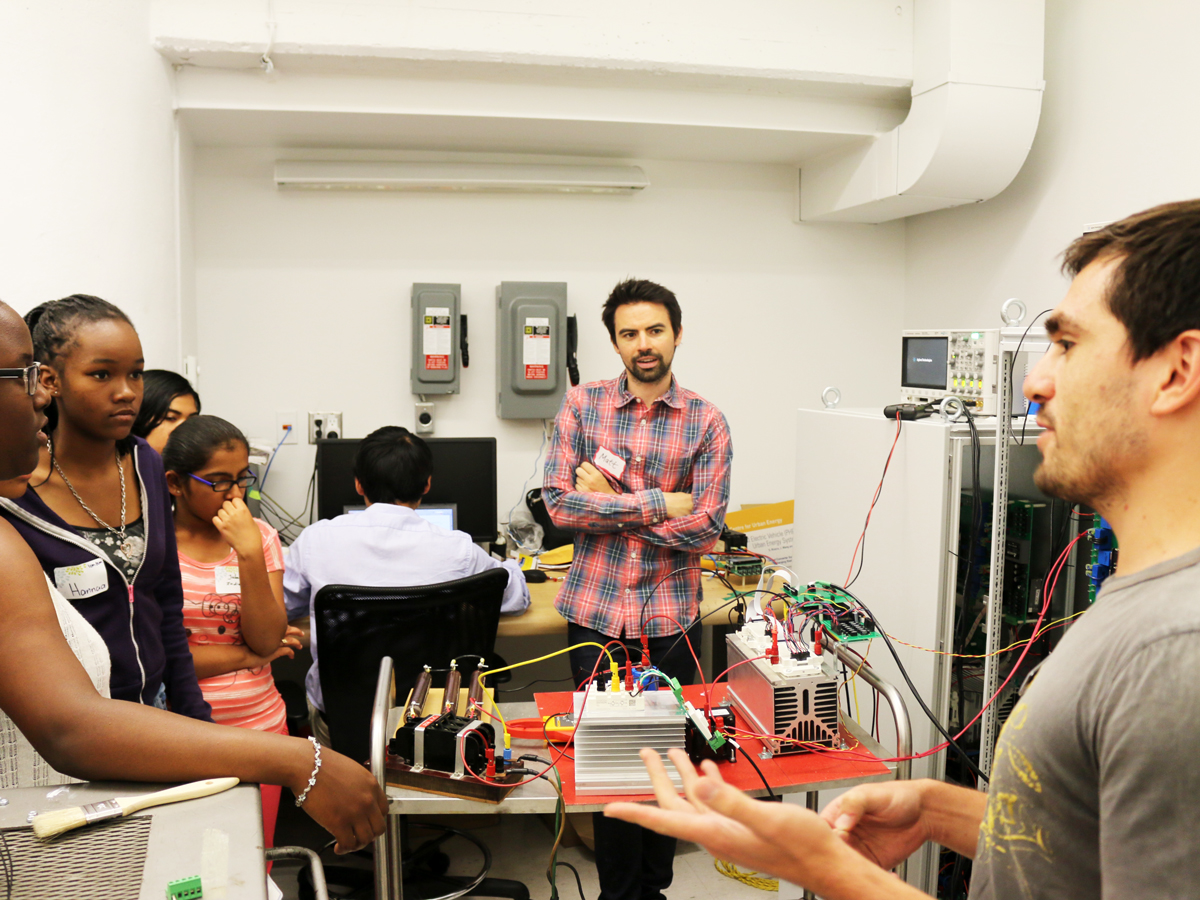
x,y
97,512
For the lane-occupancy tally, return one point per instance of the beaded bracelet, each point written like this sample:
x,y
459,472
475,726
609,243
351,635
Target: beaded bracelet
x,y
312,779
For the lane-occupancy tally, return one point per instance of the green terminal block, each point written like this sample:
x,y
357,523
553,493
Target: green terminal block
x,y
185,889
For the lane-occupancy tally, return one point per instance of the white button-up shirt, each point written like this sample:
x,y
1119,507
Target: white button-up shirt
x,y
385,545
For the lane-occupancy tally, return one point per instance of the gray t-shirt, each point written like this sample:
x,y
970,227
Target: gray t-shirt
x,y
1095,789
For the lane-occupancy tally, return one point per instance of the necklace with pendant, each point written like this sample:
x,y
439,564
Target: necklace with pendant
x,y
129,546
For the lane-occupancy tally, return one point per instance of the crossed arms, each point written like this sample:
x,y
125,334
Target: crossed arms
x,y
579,498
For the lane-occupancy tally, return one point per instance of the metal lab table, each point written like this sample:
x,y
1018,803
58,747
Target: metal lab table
x,y
539,797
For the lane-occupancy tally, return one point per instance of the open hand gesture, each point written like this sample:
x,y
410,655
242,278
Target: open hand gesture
x,y
784,840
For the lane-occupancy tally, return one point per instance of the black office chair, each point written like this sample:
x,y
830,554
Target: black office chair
x,y
417,626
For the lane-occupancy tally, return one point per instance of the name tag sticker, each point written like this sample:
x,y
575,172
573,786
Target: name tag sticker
x,y
85,580
229,580
609,463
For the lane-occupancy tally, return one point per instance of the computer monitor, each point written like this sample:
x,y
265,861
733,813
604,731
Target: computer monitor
x,y
464,474
443,515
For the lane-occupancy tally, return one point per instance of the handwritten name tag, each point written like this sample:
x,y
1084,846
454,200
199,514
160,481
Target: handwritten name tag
x,y
85,580
228,580
609,463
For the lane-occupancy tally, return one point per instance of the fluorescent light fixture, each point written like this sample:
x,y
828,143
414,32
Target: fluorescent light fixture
x,y
312,175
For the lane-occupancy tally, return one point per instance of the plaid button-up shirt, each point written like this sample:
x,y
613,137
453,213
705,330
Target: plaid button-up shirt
x,y
624,543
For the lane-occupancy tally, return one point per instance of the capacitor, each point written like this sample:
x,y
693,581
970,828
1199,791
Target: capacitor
x,y
419,694
450,695
475,695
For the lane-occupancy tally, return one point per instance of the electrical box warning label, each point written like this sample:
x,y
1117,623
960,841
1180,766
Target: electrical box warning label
x,y
536,349
435,338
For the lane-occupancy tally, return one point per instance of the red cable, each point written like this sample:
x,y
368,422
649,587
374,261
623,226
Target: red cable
x,y
735,665
874,500
1055,571
699,670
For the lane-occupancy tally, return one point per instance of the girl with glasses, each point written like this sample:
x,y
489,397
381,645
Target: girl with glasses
x,y
232,569
97,512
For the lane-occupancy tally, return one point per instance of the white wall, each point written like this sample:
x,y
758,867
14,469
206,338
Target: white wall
x,y
88,161
870,39
303,301
1118,134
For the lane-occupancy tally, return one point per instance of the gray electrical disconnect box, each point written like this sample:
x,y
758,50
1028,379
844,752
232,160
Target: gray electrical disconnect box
x,y
531,352
435,338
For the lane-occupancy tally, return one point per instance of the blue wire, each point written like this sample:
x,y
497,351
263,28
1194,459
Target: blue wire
x,y
262,485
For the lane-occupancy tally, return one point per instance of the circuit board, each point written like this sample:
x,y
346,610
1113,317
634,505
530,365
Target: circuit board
x,y
738,564
1103,560
854,626
849,625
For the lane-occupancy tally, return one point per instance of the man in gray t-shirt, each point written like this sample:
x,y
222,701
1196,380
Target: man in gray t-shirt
x,y
1095,782
1094,791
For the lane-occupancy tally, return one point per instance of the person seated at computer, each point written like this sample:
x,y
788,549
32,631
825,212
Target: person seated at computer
x,y
386,545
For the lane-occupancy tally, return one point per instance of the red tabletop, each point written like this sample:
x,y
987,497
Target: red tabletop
x,y
780,771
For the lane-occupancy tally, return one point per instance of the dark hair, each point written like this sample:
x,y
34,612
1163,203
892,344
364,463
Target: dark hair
x,y
192,444
635,290
1154,291
53,325
393,465
159,388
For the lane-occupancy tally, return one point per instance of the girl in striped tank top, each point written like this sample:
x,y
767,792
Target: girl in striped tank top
x,y
232,569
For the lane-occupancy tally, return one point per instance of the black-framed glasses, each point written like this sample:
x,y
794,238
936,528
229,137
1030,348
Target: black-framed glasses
x,y
226,483
31,374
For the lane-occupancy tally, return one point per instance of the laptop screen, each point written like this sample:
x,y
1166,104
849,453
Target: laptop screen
x,y
443,515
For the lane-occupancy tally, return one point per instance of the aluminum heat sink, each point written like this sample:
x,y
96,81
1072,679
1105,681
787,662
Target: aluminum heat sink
x,y
797,700
611,730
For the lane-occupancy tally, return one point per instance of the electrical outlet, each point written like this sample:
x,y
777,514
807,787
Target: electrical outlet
x,y
425,416
323,425
285,419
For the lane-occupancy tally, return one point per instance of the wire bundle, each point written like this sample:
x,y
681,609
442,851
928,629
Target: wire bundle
x,y
753,879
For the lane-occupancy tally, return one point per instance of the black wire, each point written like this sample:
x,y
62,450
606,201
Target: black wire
x,y
531,684
741,595
546,732
578,883
650,596
912,687
975,537
1013,362
749,757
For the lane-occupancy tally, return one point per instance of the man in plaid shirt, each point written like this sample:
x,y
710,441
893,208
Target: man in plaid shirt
x,y
639,469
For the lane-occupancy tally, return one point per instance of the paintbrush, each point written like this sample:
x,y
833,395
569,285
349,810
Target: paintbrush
x,y
56,822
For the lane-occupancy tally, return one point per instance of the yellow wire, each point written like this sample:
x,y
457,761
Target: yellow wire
x,y
1020,643
854,678
527,662
753,879
496,706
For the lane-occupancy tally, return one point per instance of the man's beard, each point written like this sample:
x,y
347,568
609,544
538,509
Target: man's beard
x,y
649,376
1097,474
1090,482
